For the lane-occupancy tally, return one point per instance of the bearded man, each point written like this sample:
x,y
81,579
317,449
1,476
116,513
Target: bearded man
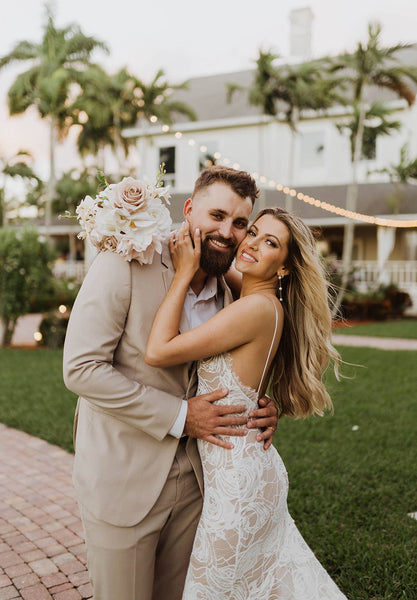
x,y
137,471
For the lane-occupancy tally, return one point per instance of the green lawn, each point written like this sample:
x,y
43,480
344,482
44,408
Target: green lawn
x,y
350,490
406,328
33,396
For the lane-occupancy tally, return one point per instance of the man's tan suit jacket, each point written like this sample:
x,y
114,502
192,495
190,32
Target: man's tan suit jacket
x,y
125,407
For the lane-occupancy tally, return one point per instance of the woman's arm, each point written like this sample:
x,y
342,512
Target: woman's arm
x,y
224,331
221,333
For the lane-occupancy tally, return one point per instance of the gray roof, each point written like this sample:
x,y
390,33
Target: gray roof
x,y
208,95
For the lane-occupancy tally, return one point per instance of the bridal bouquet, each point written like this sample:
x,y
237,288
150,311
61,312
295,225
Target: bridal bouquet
x,y
129,217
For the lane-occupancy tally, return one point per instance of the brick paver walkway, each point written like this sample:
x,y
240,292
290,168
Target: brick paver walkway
x,y
42,553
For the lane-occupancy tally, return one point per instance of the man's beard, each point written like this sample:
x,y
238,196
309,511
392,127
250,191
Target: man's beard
x,y
216,262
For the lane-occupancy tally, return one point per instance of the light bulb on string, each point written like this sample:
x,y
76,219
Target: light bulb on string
x,y
327,207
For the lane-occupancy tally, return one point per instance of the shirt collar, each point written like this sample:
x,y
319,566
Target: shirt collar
x,y
209,291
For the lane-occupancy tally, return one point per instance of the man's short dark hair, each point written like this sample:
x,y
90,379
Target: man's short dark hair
x,y
241,182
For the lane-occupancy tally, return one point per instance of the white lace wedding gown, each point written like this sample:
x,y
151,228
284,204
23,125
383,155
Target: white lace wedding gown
x,y
247,546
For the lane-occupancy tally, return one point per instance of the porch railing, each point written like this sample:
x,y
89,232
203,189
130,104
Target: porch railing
x,y
402,273
70,269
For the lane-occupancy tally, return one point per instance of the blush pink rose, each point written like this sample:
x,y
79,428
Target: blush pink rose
x,y
131,195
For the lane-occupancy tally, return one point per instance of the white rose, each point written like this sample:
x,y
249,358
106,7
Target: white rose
x,y
105,223
85,212
162,218
141,249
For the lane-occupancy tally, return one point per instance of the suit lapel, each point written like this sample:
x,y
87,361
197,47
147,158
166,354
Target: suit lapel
x,y
167,267
168,273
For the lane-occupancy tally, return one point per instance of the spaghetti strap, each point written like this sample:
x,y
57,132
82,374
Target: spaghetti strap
x,y
270,348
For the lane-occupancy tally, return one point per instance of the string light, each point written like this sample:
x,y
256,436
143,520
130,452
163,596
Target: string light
x,y
326,206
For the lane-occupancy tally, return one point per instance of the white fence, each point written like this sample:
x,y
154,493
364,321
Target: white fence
x,y
402,273
70,269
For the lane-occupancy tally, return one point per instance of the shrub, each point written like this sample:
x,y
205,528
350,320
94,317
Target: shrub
x,y
383,303
58,291
25,261
53,329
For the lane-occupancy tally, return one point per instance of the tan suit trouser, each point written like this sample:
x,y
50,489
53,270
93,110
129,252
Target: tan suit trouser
x,y
147,561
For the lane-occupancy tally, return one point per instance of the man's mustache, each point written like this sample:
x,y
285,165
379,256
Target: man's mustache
x,y
217,238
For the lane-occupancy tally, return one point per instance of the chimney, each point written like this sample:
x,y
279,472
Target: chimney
x,y
301,20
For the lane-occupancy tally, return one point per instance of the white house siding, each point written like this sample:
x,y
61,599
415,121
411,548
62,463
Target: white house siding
x,y
264,147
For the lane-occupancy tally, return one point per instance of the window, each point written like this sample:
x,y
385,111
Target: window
x,y
312,149
167,156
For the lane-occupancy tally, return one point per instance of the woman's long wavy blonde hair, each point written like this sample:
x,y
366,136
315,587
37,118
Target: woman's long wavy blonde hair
x,y
305,349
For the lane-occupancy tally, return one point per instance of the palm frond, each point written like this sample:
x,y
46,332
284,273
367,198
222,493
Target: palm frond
x,y
22,51
20,169
231,89
23,91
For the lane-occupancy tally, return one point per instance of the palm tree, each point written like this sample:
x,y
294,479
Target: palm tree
x,y
292,89
370,64
154,100
14,168
376,124
57,64
101,111
112,103
405,171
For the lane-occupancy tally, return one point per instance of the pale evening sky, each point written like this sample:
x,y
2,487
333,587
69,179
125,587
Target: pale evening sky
x,y
188,38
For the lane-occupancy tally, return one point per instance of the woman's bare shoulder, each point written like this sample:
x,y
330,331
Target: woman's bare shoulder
x,y
257,306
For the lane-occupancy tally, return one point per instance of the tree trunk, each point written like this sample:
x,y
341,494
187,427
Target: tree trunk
x,y
351,204
119,150
261,164
50,190
289,200
101,159
4,207
293,124
9,325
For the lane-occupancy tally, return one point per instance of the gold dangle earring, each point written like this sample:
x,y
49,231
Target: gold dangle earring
x,y
280,288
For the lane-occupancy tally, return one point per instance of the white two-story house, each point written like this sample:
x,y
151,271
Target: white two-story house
x,y
315,163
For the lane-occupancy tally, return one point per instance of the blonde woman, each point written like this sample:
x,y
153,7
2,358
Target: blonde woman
x,y
247,546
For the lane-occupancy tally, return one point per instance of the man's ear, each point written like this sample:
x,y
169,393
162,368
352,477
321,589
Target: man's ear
x,y
188,205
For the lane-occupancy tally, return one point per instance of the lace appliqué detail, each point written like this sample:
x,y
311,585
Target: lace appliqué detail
x,y
247,546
